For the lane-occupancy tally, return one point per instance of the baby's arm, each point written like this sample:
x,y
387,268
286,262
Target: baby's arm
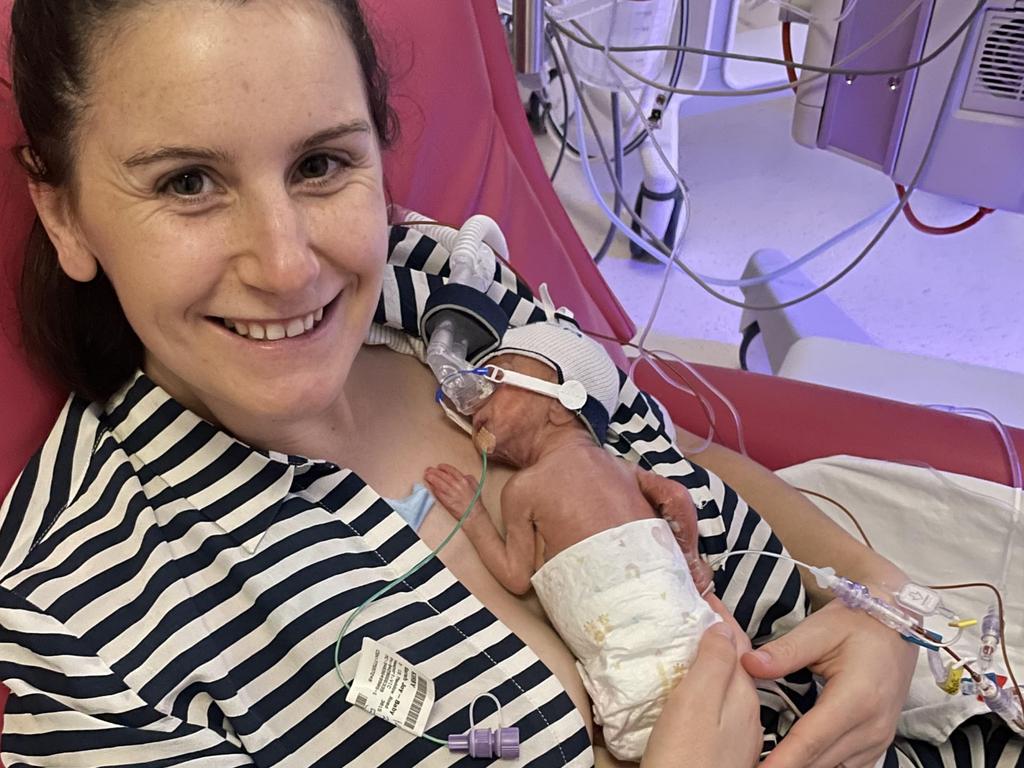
x,y
673,503
509,561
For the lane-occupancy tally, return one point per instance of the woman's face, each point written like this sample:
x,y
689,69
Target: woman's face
x,y
229,184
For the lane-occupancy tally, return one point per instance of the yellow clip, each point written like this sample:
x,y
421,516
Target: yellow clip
x,y
952,684
964,624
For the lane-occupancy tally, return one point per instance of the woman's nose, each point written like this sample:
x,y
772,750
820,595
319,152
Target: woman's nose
x,y
279,257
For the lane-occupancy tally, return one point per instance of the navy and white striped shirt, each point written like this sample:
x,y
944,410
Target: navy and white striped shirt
x,y
171,596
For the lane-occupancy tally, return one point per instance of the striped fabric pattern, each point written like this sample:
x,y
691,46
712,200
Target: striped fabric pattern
x,y
171,596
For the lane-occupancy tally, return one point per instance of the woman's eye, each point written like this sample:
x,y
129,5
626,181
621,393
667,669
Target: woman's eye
x,y
188,184
317,167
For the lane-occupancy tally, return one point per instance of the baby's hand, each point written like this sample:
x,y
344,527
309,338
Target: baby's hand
x,y
451,487
673,502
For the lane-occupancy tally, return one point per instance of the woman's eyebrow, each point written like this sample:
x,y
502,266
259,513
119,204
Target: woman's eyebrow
x,y
148,157
330,134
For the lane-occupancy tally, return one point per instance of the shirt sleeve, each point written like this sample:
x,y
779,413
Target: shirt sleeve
x,y
68,708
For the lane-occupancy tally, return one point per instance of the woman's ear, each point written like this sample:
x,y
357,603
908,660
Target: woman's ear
x,y
54,211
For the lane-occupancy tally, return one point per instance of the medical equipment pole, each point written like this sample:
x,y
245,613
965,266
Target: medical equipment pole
x,y
528,42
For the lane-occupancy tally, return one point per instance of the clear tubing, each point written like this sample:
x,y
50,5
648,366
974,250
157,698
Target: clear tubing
x,y
1003,702
442,234
859,597
1011,451
728,282
472,263
904,198
590,41
989,639
837,69
937,669
811,255
740,442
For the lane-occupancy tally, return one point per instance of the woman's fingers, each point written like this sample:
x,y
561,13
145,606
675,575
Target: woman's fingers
x,y
740,639
810,641
713,668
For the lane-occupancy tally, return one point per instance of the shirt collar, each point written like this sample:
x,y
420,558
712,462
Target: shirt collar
x,y
238,487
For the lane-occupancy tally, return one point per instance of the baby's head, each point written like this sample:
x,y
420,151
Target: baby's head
x,y
554,353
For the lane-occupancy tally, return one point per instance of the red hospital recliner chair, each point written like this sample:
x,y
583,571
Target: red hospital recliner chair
x,y
466,148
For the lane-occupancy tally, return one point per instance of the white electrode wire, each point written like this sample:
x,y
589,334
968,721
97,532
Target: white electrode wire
x,y
811,255
666,276
630,126
787,86
588,172
795,9
681,186
662,252
851,5
670,165
836,69
809,16
684,189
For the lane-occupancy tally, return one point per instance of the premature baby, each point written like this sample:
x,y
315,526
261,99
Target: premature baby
x,y
582,527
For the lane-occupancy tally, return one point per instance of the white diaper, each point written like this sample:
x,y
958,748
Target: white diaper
x,y
625,604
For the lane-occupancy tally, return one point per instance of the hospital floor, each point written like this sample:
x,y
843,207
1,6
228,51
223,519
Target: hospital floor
x,y
753,187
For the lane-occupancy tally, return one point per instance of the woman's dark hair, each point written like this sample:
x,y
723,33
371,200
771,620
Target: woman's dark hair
x,y
77,331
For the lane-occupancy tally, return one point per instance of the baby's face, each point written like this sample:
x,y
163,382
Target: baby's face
x,y
507,424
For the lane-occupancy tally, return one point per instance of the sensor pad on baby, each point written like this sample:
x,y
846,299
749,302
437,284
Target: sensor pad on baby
x,y
485,441
572,395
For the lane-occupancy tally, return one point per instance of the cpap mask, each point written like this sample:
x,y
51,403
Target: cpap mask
x,y
460,323
463,393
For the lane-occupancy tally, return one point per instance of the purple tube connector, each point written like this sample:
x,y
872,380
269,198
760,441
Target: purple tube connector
x,y
485,743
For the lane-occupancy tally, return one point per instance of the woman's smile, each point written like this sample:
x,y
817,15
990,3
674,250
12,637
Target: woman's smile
x,y
303,325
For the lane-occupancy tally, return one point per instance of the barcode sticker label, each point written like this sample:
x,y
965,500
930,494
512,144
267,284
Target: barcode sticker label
x,y
389,688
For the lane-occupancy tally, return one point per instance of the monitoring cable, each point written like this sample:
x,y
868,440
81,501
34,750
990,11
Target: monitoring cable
x,y
660,251
588,41
677,68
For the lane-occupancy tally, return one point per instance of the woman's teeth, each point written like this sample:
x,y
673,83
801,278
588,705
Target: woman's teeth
x,y
276,331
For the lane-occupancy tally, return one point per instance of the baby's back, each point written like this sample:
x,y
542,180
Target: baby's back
x,y
581,491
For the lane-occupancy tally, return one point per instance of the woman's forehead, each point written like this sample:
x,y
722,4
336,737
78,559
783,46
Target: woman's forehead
x,y
202,67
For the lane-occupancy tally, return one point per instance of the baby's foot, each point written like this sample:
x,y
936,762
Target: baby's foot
x,y
451,487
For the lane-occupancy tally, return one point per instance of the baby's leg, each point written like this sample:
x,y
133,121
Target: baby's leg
x,y
453,489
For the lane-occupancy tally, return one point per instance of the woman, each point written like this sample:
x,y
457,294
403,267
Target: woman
x,y
210,173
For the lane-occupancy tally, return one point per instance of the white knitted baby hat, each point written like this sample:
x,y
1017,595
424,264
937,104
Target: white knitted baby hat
x,y
574,357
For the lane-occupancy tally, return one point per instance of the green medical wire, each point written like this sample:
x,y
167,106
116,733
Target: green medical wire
x,y
387,587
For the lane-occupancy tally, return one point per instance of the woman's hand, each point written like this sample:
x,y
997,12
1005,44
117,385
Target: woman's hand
x,y
867,669
711,719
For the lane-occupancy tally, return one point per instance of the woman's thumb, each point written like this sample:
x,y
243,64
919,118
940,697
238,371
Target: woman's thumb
x,y
794,650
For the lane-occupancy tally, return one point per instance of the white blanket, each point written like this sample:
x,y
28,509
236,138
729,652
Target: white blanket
x,y
940,528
